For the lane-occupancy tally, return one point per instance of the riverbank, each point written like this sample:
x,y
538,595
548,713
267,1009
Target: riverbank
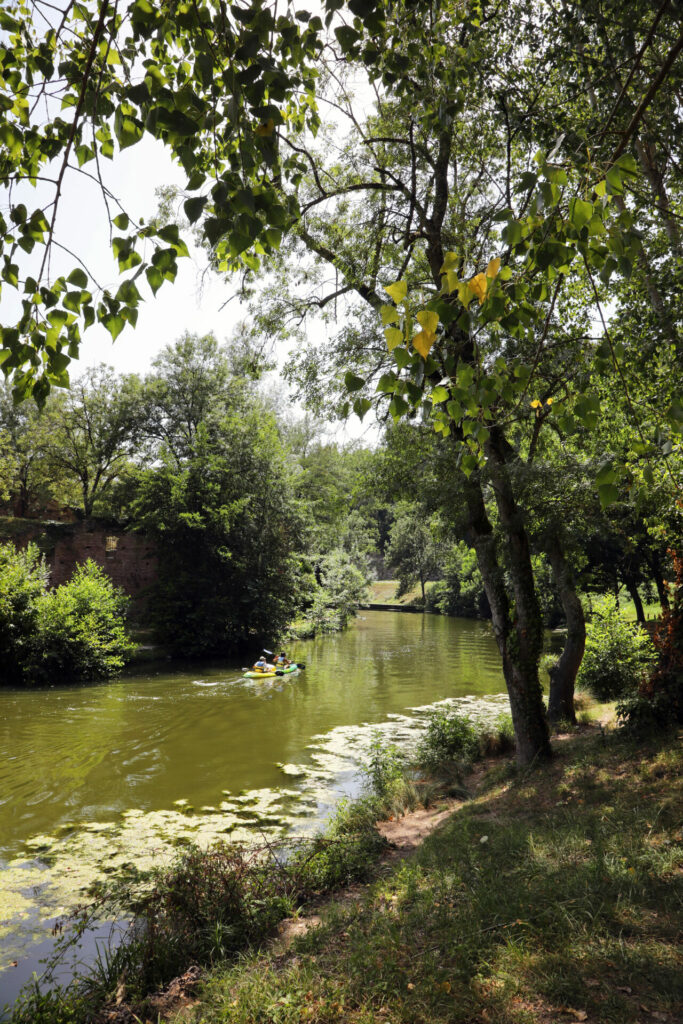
x,y
550,896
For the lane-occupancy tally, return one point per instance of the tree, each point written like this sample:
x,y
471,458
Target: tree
x,y
447,199
414,549
96,428
192,384
31,479
227,527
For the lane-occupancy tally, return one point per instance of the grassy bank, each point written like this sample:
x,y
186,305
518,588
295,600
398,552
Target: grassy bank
x,y
384,592
552,896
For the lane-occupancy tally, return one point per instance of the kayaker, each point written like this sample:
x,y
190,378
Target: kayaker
x,y
282,661
261,665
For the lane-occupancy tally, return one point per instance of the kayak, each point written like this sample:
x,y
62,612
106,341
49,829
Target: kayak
x,y
272,672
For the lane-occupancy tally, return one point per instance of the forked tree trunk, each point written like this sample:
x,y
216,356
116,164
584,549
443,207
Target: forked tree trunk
x,y
563,676
516,641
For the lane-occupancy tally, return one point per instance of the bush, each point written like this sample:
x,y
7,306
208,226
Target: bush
x,y
23,580
341,587
80,629
385,765
461,591
73,633
618,655
450,740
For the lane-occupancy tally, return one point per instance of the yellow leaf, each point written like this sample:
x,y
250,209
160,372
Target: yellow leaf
x,y
478,285
394,337
423,341
452,281
265,129
397,291
465,294
428,319
549,401
493,267
445,986
450,260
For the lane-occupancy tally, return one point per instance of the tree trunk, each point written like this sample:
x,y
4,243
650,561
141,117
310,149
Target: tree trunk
x,y
563,676
520,664
656,569
635,597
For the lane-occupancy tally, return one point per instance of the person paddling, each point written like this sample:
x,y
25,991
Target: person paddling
x,y
261,665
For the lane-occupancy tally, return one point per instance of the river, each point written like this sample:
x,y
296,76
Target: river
x,y
96,777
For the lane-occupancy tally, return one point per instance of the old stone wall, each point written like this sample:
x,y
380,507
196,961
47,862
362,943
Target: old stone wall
x,y
129,559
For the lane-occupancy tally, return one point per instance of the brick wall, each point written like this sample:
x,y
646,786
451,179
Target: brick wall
x,y
129,559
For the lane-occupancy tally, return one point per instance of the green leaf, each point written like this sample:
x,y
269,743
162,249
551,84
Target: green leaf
x,y
614,183
114,324
394,337
608,494
580,212
398,407
402,357
389,314
361,406
352,381
439,394
346,37
193,207
78,278
386,383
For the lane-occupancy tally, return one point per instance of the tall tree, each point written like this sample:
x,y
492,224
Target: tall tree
x,y
95,435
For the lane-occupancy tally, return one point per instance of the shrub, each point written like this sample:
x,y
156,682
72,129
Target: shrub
x,y
385,765
346,851
335,598
461,591
23,580
80,629
450,740
618,655
73,633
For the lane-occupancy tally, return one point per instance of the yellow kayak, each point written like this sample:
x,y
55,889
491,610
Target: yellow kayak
x,y
272,671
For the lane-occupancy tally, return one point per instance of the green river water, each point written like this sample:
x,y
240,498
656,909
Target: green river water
x,y
95,777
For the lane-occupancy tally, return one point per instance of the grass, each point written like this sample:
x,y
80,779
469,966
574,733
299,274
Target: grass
x,y
651,609
384,592
554,896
